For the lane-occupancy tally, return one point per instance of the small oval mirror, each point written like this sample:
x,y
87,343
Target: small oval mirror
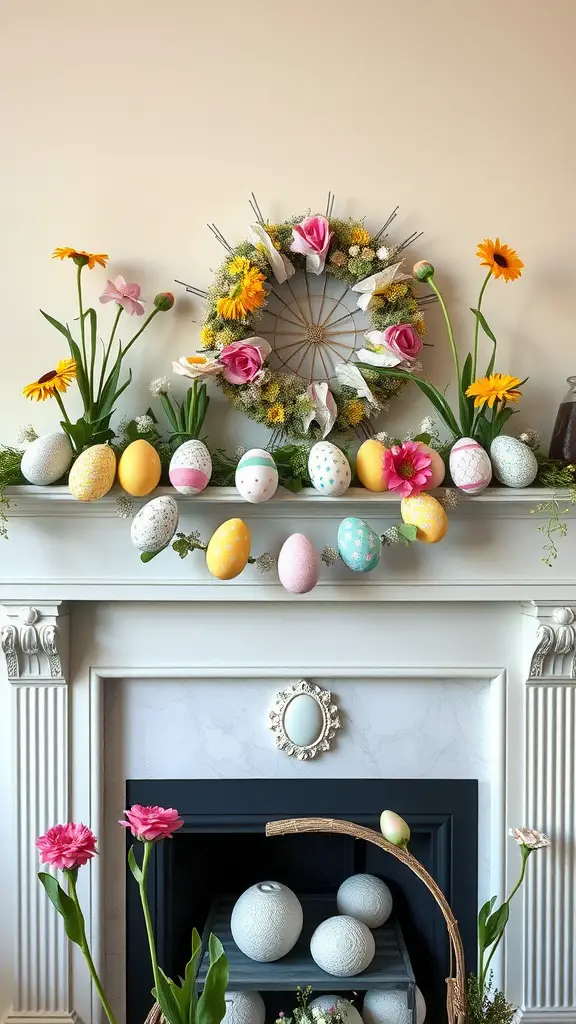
x,y
303,720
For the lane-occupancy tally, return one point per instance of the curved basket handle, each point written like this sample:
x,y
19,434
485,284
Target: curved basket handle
x,y
456,989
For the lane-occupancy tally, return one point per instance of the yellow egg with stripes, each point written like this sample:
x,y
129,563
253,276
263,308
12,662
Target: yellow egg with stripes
x,y
427,515
228,550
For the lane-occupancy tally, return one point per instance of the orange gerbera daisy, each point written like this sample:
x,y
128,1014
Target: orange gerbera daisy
x,y
498,387
55,380
501,259
81,258
246,297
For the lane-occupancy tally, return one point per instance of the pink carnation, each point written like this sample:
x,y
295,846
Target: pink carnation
x,y
125,295
407,468
67,846
149,823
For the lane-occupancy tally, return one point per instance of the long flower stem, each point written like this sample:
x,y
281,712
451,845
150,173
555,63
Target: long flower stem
x,y
147,915
139,332
479,306
86,949
61,404
82,325
484,967
109,349
433,285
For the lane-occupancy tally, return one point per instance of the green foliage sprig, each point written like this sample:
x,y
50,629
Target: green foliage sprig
x,y
487,1005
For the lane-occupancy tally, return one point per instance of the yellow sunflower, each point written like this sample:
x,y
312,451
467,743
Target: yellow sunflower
x,y
49,383
498,387
359,235
245,298
81,258
354,411
276,413
239,265
501,260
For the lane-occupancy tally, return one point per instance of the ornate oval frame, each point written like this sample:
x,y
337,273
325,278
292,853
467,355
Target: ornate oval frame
x,y
330,720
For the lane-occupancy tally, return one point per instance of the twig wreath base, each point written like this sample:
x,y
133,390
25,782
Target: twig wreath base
x,y
254,286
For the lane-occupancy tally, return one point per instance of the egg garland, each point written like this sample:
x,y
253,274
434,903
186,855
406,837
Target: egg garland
x,y
298,564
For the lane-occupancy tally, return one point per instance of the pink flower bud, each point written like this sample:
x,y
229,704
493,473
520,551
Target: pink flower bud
x,y
394,829
164,301
423,270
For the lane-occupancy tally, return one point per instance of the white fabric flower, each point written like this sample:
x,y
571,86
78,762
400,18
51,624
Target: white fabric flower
x,y
196,367
378,353
529,837
325,410
350,376
384,253
282,268
374,285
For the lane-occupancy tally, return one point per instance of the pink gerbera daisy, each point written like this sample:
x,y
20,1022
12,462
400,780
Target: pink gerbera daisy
x,y
407,468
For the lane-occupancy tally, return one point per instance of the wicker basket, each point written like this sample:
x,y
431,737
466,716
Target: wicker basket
x,y
455,987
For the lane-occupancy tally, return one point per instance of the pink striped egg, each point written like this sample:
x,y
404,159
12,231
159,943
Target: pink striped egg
x,y
470,466
298,564
190,467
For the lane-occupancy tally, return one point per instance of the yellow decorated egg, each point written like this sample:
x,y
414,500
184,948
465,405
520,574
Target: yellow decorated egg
x,y
370,465
427,515
228,550
92,475
139,468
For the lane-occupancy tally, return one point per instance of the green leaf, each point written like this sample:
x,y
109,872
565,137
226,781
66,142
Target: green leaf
x,y
134,867
170,413
166,999
188,990
212,1005
482,321
64,905
76,355
424,438
59,327
147,556
466,404
432,393
407,534
483,915
496,924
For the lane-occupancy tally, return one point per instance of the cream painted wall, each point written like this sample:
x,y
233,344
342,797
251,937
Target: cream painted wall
x,y
126,126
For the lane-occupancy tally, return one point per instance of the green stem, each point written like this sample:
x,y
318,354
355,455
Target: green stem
x,y
479,306
61,404
86,949
82,326
139,332
108,350
146,912
434,287
484,967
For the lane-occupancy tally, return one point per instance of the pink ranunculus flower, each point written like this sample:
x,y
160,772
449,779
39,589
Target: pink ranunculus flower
x,y
149,823
67,846
407,468
403,340
243,360
312,239
126,295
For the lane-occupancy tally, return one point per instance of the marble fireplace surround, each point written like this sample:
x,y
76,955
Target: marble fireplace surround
x,y
83,622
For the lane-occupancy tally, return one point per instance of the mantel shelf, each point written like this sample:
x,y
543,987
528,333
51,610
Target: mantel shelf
x,y
45,501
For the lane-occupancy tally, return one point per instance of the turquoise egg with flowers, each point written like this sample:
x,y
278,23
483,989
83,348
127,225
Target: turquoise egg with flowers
x,y
359,546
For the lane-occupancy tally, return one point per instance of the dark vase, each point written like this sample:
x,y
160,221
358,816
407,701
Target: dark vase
x,y
563,443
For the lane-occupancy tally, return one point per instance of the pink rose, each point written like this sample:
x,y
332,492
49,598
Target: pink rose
x,y
149,823
312,239
403,340
67,846
243,360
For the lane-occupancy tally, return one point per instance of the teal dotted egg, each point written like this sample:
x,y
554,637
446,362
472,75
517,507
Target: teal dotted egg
x,y
359,546
329,469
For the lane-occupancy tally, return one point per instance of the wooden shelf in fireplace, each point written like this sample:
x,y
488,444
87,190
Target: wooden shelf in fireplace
x,y
390,967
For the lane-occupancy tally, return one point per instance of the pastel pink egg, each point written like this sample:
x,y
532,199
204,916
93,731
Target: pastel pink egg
x,y
437,466
298,564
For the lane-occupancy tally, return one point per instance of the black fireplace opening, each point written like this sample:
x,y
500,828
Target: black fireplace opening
x,y
222,849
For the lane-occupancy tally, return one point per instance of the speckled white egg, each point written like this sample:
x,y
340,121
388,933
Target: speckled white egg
x,y
256,476
47,459
190,467
470,467
513,462
298,564
155,524
329,469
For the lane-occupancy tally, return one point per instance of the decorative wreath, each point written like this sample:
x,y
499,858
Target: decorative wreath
x,y
288,310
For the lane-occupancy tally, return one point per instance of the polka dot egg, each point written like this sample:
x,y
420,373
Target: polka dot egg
x,y
228,550
256,476
329,469
358,545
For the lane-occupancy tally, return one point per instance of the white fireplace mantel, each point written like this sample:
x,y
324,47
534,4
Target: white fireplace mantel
x,y
81,613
